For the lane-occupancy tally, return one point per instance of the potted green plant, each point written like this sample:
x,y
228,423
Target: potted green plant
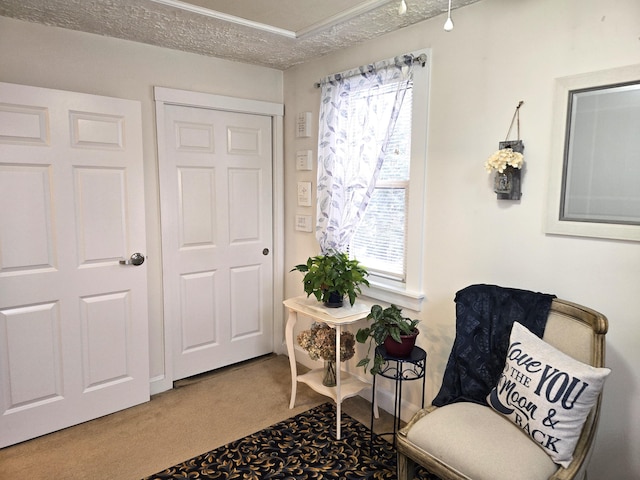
x,y
389,328
331,276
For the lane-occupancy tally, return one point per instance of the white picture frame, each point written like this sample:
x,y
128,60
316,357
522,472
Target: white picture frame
x,y
557,222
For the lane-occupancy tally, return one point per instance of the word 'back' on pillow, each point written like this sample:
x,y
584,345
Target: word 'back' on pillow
x,y
546,393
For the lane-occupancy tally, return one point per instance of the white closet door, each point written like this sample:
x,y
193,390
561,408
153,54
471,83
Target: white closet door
x,y
216,204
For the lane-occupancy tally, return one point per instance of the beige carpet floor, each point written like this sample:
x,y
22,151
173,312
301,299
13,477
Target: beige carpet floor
x,y
201,413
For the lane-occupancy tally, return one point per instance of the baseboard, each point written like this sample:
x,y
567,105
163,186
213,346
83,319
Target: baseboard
x,y
386,402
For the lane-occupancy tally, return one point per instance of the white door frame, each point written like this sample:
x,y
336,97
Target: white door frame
x,y
169,96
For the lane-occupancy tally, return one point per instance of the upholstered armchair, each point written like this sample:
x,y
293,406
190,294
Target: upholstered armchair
x,y
468,439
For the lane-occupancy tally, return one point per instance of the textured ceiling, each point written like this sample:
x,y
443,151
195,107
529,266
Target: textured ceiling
x,y
272,33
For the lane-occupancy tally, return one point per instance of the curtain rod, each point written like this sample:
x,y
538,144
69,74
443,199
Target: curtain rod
x,y
421,59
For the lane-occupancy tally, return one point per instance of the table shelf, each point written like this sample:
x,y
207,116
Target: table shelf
x,y
350,386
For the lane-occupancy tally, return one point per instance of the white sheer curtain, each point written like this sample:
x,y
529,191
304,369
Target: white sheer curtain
x,y
358,112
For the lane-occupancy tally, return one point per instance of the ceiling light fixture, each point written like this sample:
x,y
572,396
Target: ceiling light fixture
x,y
448,25
402,9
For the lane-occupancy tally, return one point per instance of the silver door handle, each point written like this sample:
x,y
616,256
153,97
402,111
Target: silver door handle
x,y
136,259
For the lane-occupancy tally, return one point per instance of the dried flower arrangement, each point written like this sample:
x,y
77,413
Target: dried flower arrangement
x,y
320,342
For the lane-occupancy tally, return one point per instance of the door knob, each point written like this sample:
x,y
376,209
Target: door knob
x,y
265,251
136,259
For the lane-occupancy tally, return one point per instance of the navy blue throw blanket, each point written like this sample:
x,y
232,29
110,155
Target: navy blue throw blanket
x,y
484,317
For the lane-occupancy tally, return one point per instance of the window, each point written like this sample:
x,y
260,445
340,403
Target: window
x,y
390,238
380,240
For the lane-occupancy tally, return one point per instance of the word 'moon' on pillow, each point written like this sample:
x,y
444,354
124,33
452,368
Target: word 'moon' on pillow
x,y
546,393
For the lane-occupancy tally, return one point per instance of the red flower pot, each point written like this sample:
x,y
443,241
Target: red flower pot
x,y
402,349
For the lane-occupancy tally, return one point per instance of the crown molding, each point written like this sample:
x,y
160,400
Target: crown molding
x,y
327,23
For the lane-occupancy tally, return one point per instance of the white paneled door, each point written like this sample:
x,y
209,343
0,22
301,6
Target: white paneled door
x,y
216,203
73,318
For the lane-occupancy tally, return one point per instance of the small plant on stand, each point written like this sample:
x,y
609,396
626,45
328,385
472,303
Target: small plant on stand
x,y
390,328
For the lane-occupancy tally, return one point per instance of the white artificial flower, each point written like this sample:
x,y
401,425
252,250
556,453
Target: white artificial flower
x,y
503,158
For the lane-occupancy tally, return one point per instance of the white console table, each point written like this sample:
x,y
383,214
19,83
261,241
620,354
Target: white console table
x,y
346,385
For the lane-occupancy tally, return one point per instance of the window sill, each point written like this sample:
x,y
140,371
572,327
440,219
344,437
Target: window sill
x,y
394,294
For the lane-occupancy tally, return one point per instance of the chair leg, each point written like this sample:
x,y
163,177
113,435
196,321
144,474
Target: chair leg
x,y
406,467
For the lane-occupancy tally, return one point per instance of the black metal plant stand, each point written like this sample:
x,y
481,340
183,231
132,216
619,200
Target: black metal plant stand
x,y
399,370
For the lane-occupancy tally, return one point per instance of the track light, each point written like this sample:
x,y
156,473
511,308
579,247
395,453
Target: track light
x,y
448,25
402,9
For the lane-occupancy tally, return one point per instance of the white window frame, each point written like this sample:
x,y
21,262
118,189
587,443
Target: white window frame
x,y
409,294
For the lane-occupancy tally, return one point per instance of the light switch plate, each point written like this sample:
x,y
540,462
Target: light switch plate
x,y
303,223
303,125
304,194
304,160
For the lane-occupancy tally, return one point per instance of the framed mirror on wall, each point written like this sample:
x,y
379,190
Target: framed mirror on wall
x,y
594,184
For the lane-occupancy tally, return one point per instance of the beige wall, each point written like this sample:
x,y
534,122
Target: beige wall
x,y
49,57
501,52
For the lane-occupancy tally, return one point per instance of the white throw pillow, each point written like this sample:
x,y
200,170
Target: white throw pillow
x,y
546,393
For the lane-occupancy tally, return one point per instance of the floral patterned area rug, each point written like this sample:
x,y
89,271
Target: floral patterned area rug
x,y
301,447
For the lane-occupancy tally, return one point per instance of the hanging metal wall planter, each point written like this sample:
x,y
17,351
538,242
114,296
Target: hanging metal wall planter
x,y
507,163
507,183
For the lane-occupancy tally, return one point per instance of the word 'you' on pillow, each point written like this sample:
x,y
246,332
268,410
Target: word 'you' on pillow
x,y
546,393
